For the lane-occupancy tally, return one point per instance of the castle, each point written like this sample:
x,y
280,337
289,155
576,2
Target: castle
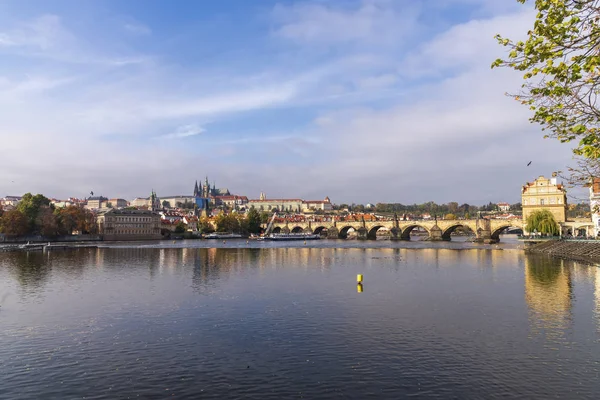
x,y
207,192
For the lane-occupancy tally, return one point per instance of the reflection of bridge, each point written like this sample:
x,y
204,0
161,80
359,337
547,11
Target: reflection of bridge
x,y
485,230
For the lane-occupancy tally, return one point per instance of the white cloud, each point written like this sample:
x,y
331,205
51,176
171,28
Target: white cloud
x,y
137,28
185,131
374,22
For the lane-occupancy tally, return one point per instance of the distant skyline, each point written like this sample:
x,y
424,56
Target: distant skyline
x,y
363,101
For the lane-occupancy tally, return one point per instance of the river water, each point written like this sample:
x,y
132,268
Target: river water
x,y
188,320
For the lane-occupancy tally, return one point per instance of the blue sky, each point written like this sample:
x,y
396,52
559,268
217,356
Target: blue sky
x,y
358,100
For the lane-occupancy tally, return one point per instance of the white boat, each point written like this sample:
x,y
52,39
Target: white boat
x,y
223,236
292,236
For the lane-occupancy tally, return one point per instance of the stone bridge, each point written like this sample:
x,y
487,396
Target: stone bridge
x,y
485,230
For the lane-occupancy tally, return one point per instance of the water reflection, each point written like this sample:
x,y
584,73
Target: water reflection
x,y
549,294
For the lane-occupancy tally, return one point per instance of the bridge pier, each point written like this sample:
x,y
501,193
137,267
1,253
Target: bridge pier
x,y
435,234
333,233
362,234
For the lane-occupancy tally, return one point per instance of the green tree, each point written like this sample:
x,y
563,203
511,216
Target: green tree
x,y
180,227
30,207
560,61
166,204
253,221
542,221
14,223
450,216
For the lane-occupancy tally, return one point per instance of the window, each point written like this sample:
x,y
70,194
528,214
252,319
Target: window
x,y
542,202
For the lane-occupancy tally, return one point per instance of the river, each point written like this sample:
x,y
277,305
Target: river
x,y
213,320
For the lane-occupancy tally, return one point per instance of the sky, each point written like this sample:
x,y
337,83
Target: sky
x,y
363,101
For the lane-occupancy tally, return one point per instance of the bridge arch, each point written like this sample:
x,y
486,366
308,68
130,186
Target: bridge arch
x,y
372,233
277,229
408,229
344,231
446,234
297,229
499,229
319,230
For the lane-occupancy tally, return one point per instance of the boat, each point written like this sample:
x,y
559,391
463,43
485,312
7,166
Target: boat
x,y
292,236
223,236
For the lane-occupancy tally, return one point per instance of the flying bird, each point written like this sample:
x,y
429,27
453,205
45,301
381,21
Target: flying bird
x,y
529,163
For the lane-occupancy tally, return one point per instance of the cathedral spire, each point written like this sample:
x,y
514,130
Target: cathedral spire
x,y
196,189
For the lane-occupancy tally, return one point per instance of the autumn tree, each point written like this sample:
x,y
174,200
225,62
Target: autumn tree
x,y
560,60
76,218
204,225
14,223
47,222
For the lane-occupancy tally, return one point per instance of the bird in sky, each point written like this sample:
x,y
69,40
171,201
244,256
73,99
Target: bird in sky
x,y
529,163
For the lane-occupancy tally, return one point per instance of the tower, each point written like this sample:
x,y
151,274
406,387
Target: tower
x,y
196,189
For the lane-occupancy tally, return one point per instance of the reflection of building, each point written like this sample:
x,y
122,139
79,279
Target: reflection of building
x,y
595,204
545,194
548,292
129,225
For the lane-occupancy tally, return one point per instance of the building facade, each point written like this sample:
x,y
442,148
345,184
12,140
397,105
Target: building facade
x,y
313,205
10,201
595,205
503,207
282,205
94,203
129,225
545,194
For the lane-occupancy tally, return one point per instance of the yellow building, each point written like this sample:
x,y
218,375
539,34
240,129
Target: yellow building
x,y
129,225
545,194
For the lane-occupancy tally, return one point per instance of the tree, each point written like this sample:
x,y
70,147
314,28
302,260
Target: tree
x,y
48,223
14,223
166,204
227,223
450,216
562,77
204,225
253,221
180,227
30,207
76,218
542,221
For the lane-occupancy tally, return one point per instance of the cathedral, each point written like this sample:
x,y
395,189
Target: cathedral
x,y
207,192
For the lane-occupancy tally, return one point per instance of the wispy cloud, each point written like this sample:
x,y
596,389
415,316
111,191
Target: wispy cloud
x,y
185,131
137,28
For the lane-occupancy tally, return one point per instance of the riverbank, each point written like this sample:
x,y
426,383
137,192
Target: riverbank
x,y
571,250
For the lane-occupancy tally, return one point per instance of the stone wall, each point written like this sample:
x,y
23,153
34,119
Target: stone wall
x,y
587,251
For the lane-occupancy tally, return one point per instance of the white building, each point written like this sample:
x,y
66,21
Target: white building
x,y
595,205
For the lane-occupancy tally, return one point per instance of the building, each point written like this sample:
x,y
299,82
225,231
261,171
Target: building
x,y
545,194
95,202
503,207
313,205
116,203
10,201
129,225
283,205
207,191
231,201
141,202
178,201
595,205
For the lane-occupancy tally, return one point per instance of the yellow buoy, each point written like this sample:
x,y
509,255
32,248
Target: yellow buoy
x,y
359,278
173,242
223,242
305,242
359,287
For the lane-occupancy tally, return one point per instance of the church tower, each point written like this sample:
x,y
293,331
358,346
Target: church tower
x,y
196,189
